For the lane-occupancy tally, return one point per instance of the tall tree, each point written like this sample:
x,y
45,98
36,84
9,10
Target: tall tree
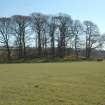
x,y
64,23
77,31
38,25
19,26
52,29
92,35
5,34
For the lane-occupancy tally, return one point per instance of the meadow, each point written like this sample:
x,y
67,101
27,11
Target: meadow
x,y
78,83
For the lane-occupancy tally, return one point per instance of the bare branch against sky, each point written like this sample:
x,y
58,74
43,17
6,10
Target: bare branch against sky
x,y
78,9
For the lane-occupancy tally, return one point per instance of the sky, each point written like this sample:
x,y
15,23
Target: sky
x,y
93,10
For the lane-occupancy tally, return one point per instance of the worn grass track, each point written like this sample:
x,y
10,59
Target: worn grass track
x,y
80,83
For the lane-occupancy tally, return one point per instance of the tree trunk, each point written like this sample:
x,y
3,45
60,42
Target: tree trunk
x,y
52,46
9,52
39,45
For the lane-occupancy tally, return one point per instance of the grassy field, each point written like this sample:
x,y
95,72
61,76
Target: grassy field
x,y
79,83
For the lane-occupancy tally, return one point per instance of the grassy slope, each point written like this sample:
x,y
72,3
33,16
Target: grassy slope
x,y
53,84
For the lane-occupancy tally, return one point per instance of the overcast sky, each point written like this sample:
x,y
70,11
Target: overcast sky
x,y
93,10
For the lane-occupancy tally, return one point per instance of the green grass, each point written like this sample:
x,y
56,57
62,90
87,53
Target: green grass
x,y
79,83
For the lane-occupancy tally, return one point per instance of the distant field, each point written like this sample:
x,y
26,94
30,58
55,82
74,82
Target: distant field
x,y
53,84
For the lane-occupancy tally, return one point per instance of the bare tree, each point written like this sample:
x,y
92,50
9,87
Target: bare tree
x,y
38,25
5,34
64,23
45,34
77,31
52,29
19,26
92,35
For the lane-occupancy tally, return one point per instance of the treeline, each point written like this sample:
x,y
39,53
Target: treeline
x,y
40,35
